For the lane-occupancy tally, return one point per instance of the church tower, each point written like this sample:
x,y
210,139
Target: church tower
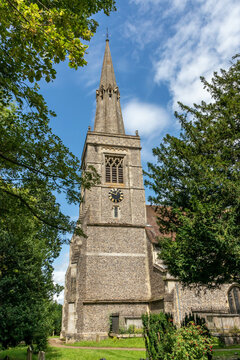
x,y
108,273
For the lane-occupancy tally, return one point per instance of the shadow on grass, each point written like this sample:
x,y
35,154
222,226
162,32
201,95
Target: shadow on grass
x,y
226,355
20,353
53,353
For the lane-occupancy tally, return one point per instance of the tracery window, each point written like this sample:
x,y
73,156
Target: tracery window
x,y
114,169
234,300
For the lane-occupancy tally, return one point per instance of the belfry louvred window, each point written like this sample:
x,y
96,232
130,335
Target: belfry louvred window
x,y
114,169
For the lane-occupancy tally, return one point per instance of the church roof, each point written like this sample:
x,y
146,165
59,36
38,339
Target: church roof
x,y
108,118
152,228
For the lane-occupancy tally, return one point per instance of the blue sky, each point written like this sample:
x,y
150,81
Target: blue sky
x,y
159,48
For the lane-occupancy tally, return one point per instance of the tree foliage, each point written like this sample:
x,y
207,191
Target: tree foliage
x,y
27,250
197,183
34,36
165,342
158,330
56,318
34,163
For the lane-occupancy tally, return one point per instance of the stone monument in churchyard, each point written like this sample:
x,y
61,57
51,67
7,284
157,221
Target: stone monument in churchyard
x,y
114,272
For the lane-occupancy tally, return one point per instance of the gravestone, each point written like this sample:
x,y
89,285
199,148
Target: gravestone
x,y
29,353
41,355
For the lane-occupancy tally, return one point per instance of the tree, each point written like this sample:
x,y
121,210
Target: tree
x,y
35,35
56,318
27,250
34,163
197,184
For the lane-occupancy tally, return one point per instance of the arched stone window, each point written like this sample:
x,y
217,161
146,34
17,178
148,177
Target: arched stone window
x,y
114,169
234,299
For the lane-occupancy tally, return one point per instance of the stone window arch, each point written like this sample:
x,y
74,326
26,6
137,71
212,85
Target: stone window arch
x,y
113,169
234,299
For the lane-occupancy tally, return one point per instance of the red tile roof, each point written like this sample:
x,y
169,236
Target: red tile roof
x,y
152,228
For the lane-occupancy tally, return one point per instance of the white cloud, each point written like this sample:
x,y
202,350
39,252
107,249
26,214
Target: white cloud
x,y
59,276
204,40
146,4
148,119
60,298
143,2
141,32
191,39
75,217
60,268
179,4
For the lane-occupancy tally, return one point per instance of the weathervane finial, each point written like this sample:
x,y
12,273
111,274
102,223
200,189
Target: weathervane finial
x,y
107,37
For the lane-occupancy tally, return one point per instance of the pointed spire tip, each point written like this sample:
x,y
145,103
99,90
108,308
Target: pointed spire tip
x,y
107,37
108,117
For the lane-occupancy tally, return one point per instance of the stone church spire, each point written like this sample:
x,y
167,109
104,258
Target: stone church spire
x,y
108,118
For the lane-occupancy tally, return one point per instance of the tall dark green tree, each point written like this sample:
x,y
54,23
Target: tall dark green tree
x,y
196,182
34,163
28,248
55,318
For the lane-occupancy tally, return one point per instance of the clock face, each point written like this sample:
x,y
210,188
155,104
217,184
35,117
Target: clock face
x,y
115,195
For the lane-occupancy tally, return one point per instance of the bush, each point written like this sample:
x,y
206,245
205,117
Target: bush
x,y
197,321
158,330
132,329
216,342
138,331
190,342
164,342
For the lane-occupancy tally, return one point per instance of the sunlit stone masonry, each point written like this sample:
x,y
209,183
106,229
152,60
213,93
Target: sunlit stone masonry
x,y
115,273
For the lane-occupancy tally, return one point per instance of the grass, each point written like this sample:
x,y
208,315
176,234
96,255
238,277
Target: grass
x,y
19,353
76,354
113,343
54,337
222,346
225,354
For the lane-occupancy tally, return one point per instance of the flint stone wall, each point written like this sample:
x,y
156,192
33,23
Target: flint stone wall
x,y
97,316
